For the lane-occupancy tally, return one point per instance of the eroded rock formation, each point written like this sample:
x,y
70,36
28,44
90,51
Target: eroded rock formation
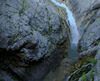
x,y
33,39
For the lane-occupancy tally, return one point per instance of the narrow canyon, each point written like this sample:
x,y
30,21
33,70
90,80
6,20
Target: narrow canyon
x,y
49,40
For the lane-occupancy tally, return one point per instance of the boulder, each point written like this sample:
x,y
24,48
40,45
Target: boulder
x,y
30,28
33,39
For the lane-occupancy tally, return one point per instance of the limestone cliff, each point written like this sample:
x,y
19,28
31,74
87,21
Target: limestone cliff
x,y
87,15
33,39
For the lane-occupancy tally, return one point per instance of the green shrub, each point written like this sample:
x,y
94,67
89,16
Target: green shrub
x,y
91,75
84,77
92,60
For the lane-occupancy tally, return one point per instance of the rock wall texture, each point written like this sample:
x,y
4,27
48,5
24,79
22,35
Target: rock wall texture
x,y
33,35
30,27
87,15
34,38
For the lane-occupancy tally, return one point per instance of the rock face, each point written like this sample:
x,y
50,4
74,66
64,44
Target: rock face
x,y
87,15
4,76
34,38
30,31
88,22
97,74
29,27
82,8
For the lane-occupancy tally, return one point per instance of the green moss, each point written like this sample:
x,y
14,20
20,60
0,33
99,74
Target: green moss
x,y
51,48
37,26
50,29
91,74
97,42
84,77
79,65
42,15
26,31
92,60
21,11
19,25
7,4
49,18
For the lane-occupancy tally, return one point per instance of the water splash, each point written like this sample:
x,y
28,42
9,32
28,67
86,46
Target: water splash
x,y
73,27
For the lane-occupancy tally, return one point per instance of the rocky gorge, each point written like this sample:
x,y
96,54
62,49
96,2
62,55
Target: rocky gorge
x,y
35,43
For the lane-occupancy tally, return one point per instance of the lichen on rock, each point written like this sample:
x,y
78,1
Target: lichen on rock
x,y
31,32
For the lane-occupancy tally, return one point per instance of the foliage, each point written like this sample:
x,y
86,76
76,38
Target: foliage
x,y
51,48
50,29
84,77
23,7
92,60
92,74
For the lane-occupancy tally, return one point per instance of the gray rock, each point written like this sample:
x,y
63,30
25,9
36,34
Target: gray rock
x,y
87,15
91,37
97,73
30,27
4,76
33,39
80,8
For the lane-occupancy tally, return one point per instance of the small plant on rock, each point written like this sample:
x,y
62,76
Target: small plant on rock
x,y
23,7
92,60
84,77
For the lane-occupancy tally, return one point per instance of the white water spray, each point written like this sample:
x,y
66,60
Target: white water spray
x,y
73,27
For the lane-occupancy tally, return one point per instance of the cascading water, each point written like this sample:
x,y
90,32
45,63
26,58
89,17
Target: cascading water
x,y
74,34
73,26
73,31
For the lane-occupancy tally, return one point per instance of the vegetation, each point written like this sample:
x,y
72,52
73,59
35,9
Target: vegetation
x,y
84,71
84,77
50,29
7,4
49,18
23,7
37,26
92,74
51,48
92,60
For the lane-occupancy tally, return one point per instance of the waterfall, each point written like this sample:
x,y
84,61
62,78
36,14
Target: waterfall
x,y
73,27
74,34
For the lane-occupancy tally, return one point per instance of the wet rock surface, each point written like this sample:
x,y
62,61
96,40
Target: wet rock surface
x,y
87,15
